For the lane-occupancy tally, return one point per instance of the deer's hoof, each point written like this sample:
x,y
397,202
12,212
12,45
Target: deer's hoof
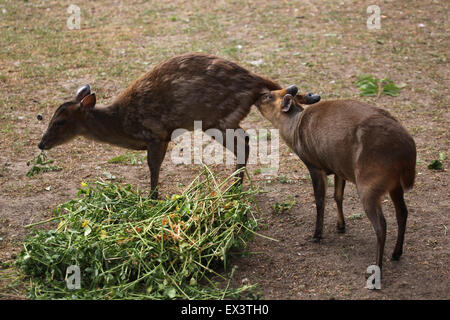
x,y
340,229
314,239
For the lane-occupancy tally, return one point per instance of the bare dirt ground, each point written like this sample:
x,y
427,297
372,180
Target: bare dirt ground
x,y
321,46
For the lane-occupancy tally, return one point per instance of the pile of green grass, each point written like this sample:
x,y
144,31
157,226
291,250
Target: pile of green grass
x,y
129,246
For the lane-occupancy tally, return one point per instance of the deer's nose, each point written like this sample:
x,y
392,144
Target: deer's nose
x,y
312,98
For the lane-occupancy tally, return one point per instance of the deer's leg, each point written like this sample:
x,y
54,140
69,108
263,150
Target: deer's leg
x,y
319,181
371,200
339,185
237,141
156,150
401,213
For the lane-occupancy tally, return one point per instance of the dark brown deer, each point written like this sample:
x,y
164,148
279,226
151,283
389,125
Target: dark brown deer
x,y
176,92
354,141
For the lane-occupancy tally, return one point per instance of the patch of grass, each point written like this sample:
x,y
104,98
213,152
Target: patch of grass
x,y
41,164
435,165
257,171
356,216
230,51
284,179
129,246
7,129
131,158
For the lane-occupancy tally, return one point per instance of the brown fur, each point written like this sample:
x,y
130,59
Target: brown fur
x,y
355,142
177,92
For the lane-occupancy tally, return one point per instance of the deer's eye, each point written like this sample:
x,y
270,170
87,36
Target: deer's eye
x,y
268,96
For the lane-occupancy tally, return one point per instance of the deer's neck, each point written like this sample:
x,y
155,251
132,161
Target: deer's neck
x,y
105,124
289,128
102,123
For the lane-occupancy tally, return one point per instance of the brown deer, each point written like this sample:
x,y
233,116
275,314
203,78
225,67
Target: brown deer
x,y
176,92
354,141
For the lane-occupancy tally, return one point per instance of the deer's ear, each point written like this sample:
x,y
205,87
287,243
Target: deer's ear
x,y
82,92
88,102
286,105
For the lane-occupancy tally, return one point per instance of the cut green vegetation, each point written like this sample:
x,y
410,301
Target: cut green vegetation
x,y
41,164
128,246
284,206
370,86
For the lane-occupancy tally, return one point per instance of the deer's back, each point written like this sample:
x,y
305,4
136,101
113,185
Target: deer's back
x,y
190,88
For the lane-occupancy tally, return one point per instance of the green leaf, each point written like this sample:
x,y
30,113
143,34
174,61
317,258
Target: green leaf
x,y
87,231
171,292
370,86
435,165
389,88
